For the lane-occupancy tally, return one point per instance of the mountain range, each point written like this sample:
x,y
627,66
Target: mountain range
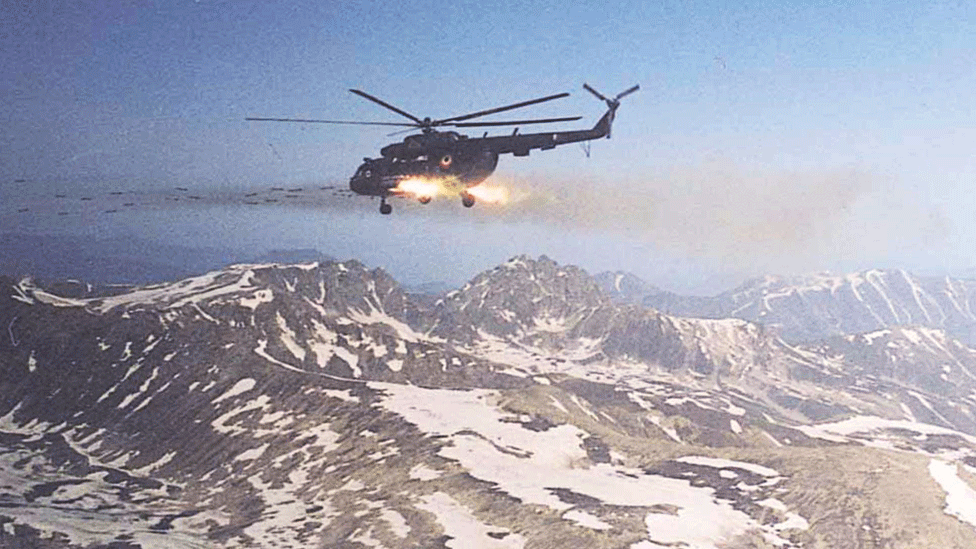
x,y
320,404
813,307
124,260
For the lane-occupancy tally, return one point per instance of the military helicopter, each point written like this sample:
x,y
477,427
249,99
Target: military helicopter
x,y
423,163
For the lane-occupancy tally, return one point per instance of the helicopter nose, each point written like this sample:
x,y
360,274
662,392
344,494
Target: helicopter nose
x,y
356,183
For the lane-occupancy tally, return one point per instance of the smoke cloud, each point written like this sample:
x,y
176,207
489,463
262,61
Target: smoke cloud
x,y
714,210
744,219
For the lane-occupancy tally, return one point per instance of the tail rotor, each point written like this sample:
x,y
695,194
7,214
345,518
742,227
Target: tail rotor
x,y
627,92
594,92
612,103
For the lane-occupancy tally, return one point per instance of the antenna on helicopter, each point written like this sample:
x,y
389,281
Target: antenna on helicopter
x,y
585,145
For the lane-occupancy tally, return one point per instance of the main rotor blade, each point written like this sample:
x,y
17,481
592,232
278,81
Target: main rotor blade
x,y
387,105
499,109
515,122
594,92
627,92
306,120
401,132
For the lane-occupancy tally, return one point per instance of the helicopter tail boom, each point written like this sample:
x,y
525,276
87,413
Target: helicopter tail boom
x,y
521,144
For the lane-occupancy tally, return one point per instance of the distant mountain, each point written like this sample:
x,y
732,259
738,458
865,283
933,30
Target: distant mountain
x,y
320,405
813,307
304,255
124,260
427,293
625,287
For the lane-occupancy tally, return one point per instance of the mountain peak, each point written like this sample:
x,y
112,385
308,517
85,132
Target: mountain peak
x,y
518,294
527,262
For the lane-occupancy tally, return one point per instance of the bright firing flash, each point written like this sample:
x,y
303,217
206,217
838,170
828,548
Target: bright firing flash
x,y
420,188
425,189
489,193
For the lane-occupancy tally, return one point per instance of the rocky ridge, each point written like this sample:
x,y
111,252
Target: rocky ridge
x,y
318,404
814,307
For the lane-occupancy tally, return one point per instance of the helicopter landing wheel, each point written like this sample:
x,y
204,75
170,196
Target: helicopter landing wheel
x,y
385,208
467,200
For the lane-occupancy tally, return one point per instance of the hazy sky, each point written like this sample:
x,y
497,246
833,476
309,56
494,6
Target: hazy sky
x,y
767,136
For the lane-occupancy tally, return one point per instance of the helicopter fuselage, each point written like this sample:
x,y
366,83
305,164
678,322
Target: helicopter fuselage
x,y
448,159
456,162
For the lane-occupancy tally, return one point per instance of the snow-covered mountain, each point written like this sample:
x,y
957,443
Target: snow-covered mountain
x,y
320,405
812,307
124,259
625,287
924,361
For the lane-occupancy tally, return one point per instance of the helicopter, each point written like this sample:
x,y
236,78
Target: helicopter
x,y
433,159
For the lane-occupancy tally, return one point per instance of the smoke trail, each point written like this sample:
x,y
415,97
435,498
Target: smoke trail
x,y
726,214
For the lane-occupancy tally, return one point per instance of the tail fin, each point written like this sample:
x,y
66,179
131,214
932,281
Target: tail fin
x,y
606,122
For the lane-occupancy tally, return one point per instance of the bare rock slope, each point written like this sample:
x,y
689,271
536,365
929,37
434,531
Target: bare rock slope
x,y
320,405
813,307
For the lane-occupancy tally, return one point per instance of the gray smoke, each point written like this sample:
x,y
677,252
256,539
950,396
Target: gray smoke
x,y
747,219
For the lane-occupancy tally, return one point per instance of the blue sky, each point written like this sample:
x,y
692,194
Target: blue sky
x,y
767,136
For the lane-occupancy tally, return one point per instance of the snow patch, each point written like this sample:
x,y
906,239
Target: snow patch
x,y
673,434
253,453
240,387
222,423
960,496
349,358
838,431
397,523
719,463
55,300
378,317
424,473
585,519
262,351
529,465
259,297
341,394
190,291
464,528
288,338
148,469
